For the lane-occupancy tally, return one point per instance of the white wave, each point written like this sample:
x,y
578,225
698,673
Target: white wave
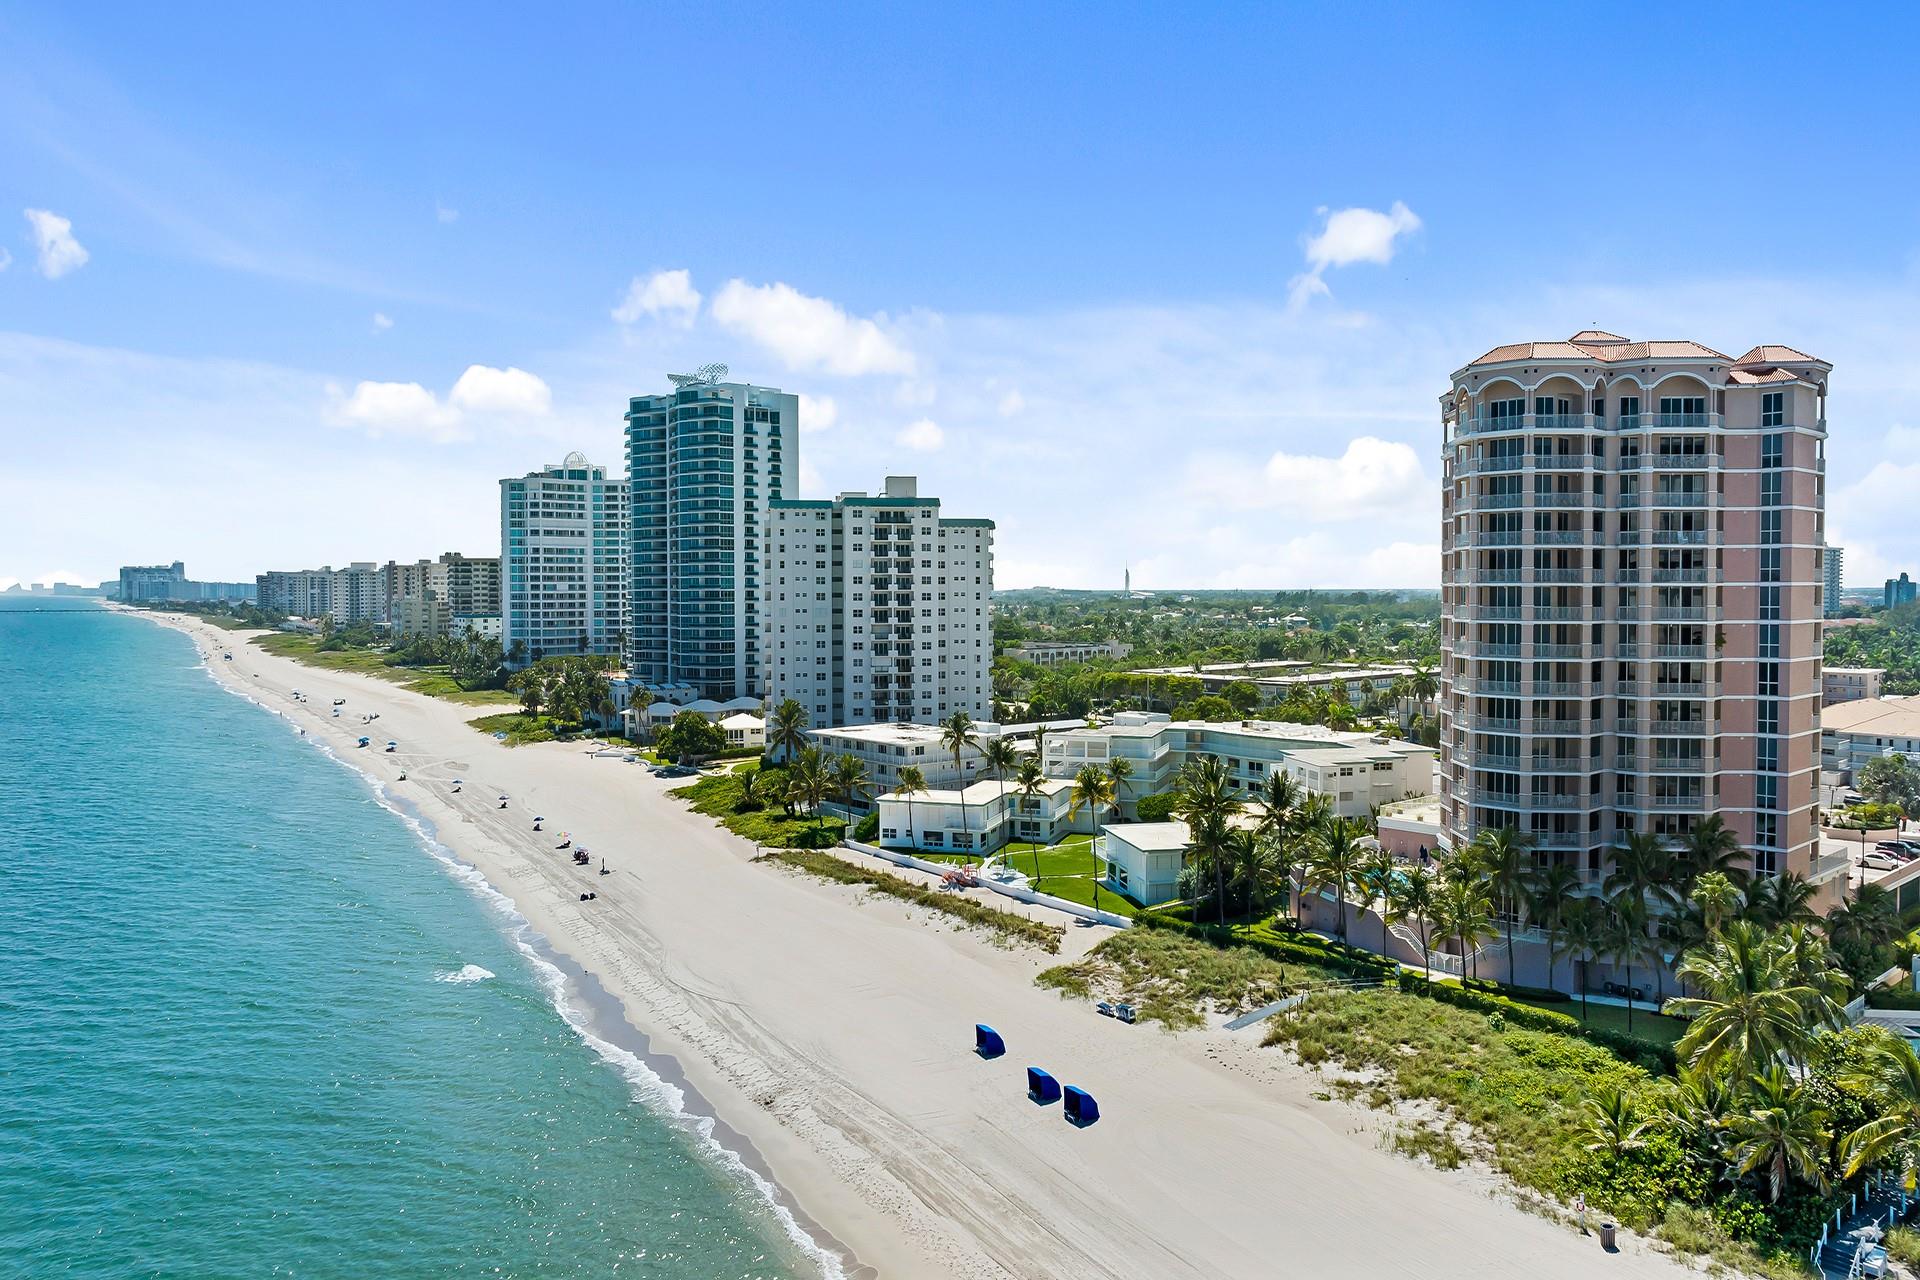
x,y
465,973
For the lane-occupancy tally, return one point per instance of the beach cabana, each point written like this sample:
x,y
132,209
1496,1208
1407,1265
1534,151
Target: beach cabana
x,y
987,1042
1041,1087
1080,1108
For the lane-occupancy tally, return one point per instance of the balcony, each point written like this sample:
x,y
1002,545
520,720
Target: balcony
x,y
1563,499
1675,499
1559,728
1575,651
1567,461
1559,575
1558,764
1679,575
1685,537
1494,501
1560,537
1681,652
1678,729
1679,613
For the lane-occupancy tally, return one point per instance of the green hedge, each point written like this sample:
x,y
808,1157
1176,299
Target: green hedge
x,y
1492,988
868,828
1157,807
1299,948
1526,1015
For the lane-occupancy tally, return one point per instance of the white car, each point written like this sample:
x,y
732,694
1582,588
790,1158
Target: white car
x,y
1881,861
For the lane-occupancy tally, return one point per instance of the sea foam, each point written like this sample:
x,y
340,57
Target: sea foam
x,y
465,973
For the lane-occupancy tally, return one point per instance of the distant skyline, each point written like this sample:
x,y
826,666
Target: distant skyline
x,y
1175,290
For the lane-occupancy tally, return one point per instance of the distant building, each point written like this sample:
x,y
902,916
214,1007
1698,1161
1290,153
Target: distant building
x,y
168,583
358,594
1854,733
1831,577
1899,591
704,461
563,556
1053,653
1850,684
425,597
298,593
876,608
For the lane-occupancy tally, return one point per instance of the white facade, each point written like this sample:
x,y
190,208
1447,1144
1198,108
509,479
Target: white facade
x,y
563,552
703,462
298,593
1853,733
1144,859
1355,771
877,609
1850,684
887,748
979,818
1053,653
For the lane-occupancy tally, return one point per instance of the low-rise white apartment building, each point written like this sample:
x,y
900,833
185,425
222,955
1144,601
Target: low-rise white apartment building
x,y
887,748
1850,684
1854,733
979,818
1355,771
876,608
1054,653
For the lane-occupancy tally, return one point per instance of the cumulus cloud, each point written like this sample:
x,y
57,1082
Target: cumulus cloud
x,y
408,409
924,436
6,259
668,294
1373,477
53,239
398,409
807,333
1348,236
508,391
444,214
817,413
382,322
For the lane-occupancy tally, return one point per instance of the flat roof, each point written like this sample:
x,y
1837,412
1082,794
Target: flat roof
x,y
1151,837
1888,717
1855,671
981,792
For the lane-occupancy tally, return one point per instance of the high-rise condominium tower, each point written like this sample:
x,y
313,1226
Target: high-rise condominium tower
x,y
1834,570
877,609
563,554
703,462
1631,557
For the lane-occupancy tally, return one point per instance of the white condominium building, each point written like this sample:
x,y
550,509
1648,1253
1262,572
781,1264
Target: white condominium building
x,y
1053,653
877,609
1355,771
298,593
1631,596
563,543
703,462
425,597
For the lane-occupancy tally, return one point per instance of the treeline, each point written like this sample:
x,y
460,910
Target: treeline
x,y
1892,642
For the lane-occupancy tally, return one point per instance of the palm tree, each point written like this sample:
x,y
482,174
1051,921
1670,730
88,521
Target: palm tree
x,y
1642,869
911,782
1611,1121
1376,873
1334,863
1809,963
1892,1077
1030,782
956,734
1583,932
787,729
1696,1107
1718,899
851,782
1780,900
1750,1010
1423,686
1093,789
1711,846
1210,843
1502,852
999,755
810,780
1466,913
1261,863
1625,941
1550,892
1867,921
1783,1134
1204,804
1119,771
1411,901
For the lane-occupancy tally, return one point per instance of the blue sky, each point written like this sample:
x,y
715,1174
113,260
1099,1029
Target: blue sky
x,y
1175,288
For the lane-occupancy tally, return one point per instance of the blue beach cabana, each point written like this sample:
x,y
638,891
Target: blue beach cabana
x,y
1080,1107
1041,1087
987,1042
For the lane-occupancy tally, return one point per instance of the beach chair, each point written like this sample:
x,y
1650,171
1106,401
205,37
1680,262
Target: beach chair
x,y
1079,1106
1124,1012
987,1042
1104,1009
1041,1087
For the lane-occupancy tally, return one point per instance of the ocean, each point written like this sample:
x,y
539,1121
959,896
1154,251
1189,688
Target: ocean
x,y
254,1022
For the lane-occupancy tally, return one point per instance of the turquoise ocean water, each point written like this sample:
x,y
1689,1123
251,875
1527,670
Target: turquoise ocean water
x,y
252,1024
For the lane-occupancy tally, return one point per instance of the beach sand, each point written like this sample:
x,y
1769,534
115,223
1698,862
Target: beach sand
x,y
830,1032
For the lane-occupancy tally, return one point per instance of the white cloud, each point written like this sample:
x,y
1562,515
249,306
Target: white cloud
x,y
817,413
809,333
924,436
398,409
6,259
664,293
1011,403
1349,236
1372,478
444,214
53,238
482,389
382,322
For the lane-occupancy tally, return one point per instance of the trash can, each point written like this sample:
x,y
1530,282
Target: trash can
x,y
1606,1236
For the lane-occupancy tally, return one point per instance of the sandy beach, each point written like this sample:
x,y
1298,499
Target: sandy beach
x,y
830,1033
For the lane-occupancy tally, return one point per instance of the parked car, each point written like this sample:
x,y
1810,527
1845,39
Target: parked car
x,y
1911,846
1882,861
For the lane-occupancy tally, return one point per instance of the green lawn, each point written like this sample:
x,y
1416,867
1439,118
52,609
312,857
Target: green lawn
x,y
721,797
1066,871
1648,1026
430,680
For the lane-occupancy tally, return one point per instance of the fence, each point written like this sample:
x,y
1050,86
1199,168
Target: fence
x,y
1018,892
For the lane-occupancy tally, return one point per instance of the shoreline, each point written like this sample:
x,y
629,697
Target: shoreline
x,y
829,1033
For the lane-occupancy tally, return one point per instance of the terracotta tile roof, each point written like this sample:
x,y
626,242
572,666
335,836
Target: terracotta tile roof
x,y
1774,354
1605,348
1750,377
